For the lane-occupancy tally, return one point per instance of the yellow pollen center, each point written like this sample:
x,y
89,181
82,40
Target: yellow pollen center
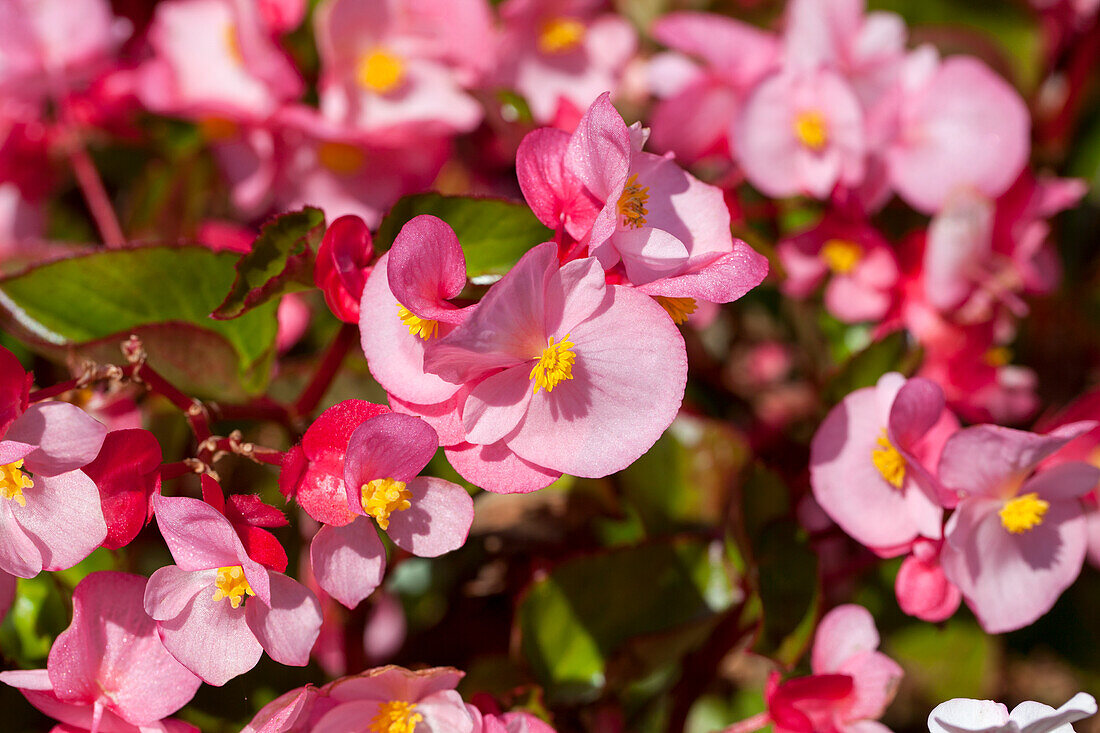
x,y
560,35
841,255
997,356
889,462
678,308
13,481
811,130
232,45
380,71
342,159
232,584
555,365
383,496
632,203
396,716
425,328
1023,513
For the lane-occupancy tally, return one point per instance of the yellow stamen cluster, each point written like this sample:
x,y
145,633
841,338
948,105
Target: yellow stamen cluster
x,y
678,308
1023,513
232,584
555,365
13,481
396,716
841,255
342,159
380,71
632,203
425,328
889,462
811,130
560,35
383,496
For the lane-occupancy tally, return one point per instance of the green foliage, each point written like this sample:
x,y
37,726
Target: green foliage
x,y
891,353
956,659
494,233
280,261
90,303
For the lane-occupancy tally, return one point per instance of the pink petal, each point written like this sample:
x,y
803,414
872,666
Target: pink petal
x,y
11,451
573,294
852,301
15,385
111,652
876,678
720,280
444,417
444,710
63,517
599,150
19,555
426,268
924,591
66,436
171,588
554,194
347,716
497,405
1010,580
282,713
288,628
628,382
694,123
843,633
437,522
348,562
916,408
649,254
198,535
387,446
126,473
738,51
1064,481
211,638
496,468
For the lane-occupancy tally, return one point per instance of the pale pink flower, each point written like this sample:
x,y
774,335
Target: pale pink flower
x,y
963,715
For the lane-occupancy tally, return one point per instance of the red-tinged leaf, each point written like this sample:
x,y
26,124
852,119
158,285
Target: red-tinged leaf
x,y
281,261
127,474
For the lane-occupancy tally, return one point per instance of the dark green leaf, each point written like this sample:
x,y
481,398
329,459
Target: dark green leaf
x,y
281,261
891,353
494,233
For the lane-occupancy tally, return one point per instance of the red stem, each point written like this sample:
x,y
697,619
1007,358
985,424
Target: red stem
x,y
326,371
91,185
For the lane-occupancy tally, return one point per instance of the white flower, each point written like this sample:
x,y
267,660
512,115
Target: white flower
x,y
962,715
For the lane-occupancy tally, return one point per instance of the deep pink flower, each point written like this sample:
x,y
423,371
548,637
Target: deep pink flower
x,y
217,597
566,373
869,463
1017,538
50,512
127,473
424,515
250,518
109,669
561,53
400,65
343,264
921,586
859,263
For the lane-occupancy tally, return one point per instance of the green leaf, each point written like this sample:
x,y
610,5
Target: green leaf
x,y
891,353
37,616
968,669
280,261
88,304
576,618
494,233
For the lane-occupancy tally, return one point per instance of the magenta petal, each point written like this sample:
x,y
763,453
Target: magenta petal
x,y
197,535
496,468
554,194
844,632
1064,481
426,267
387,446
66,436
720,280
497,405
15,385
211,638
924,591
917,407
348,562
111,652
64,517
437,521
288,628
19,555
599,150
171,588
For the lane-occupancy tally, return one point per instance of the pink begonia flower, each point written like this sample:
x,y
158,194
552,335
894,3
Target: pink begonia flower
x,y
693,119
960,126
282,16
870,458
217,610
517,722
341,171
293,316
127,473
48,45
921,586
851,685
801,132
214,60
406,309
250,517
963,715
561,52
385,699
50,512
566,373
556,196
343,264
313,471
1017,539
109,670
859,263
424,515
670,231
393,65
